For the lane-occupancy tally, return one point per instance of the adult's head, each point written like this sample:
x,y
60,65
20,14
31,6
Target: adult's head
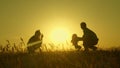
x,y
37,33
83,25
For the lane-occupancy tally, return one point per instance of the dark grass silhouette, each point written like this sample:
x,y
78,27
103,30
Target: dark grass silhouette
x,y
62,59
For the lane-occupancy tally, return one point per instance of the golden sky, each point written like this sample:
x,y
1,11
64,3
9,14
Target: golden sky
x,y
22,18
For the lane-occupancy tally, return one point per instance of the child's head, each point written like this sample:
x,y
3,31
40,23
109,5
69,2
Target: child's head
x,y
74,36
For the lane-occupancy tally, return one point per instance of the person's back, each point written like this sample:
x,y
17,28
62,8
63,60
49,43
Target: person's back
x,y
89,37
33,39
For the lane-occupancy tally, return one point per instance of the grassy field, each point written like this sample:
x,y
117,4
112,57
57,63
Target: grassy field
x,y
62,59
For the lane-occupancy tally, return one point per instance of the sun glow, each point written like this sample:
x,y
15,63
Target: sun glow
x,y
59,35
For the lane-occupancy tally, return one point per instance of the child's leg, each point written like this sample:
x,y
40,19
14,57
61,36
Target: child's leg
x,y
77,47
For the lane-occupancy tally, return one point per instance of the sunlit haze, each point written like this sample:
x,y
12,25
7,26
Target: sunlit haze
x,y
59,35
59,19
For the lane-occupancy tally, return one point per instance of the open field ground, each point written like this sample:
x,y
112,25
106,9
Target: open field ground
x,y
62,59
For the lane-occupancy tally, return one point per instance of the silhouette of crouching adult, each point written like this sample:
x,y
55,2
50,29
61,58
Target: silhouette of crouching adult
x,y
35,41
89,38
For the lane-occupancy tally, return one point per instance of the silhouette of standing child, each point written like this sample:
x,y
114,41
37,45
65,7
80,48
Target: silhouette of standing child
x,y
75,40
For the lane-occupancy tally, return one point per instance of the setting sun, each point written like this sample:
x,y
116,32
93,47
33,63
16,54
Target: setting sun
x,y
59,35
